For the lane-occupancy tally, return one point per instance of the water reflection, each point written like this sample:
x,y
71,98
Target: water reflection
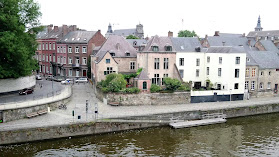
x,y
247,136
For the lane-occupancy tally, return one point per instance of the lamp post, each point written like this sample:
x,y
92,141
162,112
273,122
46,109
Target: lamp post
x,y
230,94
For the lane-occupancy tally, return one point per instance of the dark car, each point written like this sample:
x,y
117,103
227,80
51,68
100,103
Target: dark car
x,y
26,91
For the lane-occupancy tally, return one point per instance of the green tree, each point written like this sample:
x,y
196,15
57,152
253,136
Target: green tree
x,y
131,37
113,83
187,33
18,27
154,88
172,84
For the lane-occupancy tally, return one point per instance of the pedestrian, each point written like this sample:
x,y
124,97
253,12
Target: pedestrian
x,y
41,85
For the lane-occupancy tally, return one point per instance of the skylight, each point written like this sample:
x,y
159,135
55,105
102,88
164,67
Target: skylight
x,y
182,48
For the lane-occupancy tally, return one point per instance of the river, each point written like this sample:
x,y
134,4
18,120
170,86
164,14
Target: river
x,y
245,136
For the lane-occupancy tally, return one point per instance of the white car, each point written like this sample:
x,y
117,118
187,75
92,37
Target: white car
x,y
67,81
81,80
38,77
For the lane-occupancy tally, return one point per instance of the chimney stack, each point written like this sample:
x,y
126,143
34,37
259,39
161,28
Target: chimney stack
x,y
49,28
65,30
243,35
216,33
170,34
55,28
223,43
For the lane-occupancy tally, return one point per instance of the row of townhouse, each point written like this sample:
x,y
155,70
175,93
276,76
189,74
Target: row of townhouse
x,y
64,51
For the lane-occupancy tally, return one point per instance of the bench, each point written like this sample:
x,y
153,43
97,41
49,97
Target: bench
x,y
114,103
42,112
33,114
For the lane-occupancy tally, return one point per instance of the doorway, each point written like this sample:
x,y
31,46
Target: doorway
x,y
84,73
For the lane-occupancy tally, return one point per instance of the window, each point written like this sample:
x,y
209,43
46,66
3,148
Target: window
x,y
261,85
47,69
144,85
108,71
156,63
207,71
168,48
58,59
84,49
219,72
208,59
50,58
43,57
181,61
53,45
77,61
50,69
46,58
155,48
77,49
53,58
268,85
46,46
64,60
237,60
269,73
64,49
132,65
262,73
156,79
247,72
220,60
112,54
218,86
135,43
197,62
43,68
70,60
128,54
197,72
43,46
58,49
84,61
236,86
253,85
39,46
246,84
181,72
69,49
70,72
40,57
50,46
107,61
236,73
166,63
253,72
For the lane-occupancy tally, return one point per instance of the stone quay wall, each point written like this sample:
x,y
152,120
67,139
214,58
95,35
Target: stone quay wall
x,y
144,98
10,85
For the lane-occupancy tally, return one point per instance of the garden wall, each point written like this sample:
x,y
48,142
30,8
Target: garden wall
x,y
145,98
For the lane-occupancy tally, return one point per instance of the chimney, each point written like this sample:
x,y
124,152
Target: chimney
x,y
224,43
55,28
49,28
65,30
216,33
243,35
170,34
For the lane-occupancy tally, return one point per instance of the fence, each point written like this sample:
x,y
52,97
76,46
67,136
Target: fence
x,y
22,102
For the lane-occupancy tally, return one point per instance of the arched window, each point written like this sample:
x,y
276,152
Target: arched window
x,y
144,85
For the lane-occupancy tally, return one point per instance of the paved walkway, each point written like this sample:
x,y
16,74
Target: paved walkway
x,y
83,92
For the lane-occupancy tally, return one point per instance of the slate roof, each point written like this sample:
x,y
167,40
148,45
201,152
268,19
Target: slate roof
x,y
110,45
52,34
161,42
80,37
139,41
229,41
264,33
225,49
229,35
265,59
252,62
142,76
268,45
124,32
185,44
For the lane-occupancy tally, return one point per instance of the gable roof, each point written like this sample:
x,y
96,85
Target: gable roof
x,y
229,35
81,37
142,76
185,44
265,59
161,42
268,45
225,49
229,41
118,45
48,35
264,33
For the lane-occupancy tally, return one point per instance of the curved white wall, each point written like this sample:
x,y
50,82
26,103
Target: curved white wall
x,y
9,85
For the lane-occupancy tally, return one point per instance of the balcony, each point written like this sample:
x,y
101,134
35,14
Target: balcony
x,y
75,65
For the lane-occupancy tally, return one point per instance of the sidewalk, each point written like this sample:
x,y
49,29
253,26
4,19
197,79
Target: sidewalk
x,y
83,92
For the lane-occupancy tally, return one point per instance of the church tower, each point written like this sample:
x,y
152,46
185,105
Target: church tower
x,y
109,28
259,27
139,31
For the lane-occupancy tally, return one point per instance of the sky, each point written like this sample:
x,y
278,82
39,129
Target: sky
x,y
160,16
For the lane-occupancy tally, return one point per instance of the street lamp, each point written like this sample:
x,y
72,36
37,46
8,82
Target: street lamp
x,y
230,94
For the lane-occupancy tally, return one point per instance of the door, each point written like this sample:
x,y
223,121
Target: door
x,y
276,88
84,73
77,73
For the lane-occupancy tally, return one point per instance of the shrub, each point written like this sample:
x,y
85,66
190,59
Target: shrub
x,y
117,84
172,84
105,90
155,88
184,87
100,84
132,90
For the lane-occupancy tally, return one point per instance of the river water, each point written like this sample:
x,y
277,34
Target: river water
x,y
246,136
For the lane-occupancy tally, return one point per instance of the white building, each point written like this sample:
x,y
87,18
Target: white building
x,y
224,66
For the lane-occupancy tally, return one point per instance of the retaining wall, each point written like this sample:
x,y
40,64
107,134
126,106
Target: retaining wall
x,y
10,85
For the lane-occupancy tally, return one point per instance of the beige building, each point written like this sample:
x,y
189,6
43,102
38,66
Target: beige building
x,y
116,55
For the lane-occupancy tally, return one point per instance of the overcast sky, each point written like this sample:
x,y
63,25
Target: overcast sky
x,y
160,16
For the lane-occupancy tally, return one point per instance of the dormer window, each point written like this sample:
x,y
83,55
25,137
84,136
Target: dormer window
x,y
247,59
128,54
155,48
112,54
168,48
135,43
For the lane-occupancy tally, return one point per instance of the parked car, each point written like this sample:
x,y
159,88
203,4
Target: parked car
x,y
38,77
49,77
67,81
81,80
58,78
26,91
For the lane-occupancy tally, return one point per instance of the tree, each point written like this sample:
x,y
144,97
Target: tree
x,y
113,83
172,84
187,33
131,37
18,27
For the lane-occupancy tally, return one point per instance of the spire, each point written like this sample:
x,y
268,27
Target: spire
x,y
259,27
109,28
